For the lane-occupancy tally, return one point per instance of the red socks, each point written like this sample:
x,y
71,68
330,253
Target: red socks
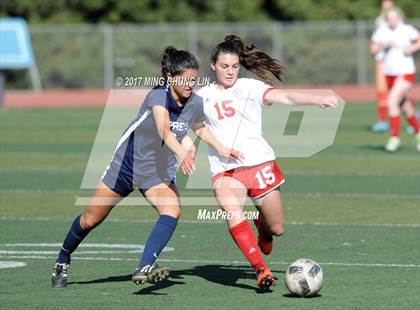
x,y
382,106
244,237
395,126
382,113
413,122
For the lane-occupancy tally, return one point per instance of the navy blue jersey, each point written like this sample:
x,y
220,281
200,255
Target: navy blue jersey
x,y
141,154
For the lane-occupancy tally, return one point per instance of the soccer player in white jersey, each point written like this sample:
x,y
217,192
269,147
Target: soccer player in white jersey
x,y
381,125
232,107
398,41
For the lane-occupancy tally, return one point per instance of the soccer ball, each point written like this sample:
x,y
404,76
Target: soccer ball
x,y
304,277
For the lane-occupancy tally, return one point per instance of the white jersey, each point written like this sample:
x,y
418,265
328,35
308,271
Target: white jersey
x,y
379,21
233,116
395,61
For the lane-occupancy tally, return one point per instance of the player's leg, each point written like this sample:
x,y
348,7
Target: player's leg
x,y
102,202
381,124
399,89
231,196
271,220
165,200
409,110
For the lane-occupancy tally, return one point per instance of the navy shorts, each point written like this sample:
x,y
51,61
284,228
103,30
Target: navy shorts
x,y
123,184
123,175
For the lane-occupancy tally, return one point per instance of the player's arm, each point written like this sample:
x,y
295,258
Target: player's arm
x,y
376,47
188,144
161,117
204,134
414,47
379,42
295,98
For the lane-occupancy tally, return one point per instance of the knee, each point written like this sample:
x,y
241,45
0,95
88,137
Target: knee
x,y
174,212
88,220
277,230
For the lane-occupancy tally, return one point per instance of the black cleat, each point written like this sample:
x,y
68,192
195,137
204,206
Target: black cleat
x,y
59,275
150,274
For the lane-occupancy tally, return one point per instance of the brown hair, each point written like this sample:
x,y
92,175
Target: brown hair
x,y
264,66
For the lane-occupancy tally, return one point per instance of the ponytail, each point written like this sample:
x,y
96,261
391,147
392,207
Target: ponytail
x,y
256,61
174,62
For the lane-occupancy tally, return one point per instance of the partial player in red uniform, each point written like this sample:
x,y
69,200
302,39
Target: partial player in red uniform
x,y
381,125
398,41
233,107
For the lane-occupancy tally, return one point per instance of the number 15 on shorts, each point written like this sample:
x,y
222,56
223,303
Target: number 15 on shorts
x,y
265,177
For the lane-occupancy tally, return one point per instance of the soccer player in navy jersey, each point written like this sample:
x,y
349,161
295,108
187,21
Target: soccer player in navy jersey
x,y
146,158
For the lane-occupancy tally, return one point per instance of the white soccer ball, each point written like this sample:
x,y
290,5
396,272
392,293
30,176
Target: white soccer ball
x,y
304,277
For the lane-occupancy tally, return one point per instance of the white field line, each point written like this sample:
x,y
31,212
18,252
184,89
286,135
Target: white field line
x,y
376,157
285,172
211,201
138,200
351,173
135,248
378,265
396,225
78,252
9,264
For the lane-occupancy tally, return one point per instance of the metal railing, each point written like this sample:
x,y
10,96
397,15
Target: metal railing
x,y
86,56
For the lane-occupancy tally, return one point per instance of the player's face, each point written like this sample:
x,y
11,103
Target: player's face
x,y
387,4
227,69
393,19
183,84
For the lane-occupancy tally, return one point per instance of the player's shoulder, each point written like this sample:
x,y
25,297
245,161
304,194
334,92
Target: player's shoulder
x,y
379,21
409,27
205,90
196,98
383,28
157,92
381,32
247,83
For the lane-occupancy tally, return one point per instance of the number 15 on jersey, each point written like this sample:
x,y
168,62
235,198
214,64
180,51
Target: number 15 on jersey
x,y
224,109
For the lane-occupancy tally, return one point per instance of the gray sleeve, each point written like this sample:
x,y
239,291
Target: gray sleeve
x,y
156,97
199,115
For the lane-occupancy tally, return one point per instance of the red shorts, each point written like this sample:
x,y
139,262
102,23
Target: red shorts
x,y
259,180
390,79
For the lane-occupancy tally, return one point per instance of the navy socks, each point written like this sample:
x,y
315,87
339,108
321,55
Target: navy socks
x,y
158,238
75,235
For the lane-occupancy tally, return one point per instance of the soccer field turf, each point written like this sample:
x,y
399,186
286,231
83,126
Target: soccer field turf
x,y
353,208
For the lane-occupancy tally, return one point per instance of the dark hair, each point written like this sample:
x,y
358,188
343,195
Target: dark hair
x,y
256,61
176,61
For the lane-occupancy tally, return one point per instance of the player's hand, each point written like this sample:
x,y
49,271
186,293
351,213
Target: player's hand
x,y
408,51
327,102
188,144
229,152
386,45
187,162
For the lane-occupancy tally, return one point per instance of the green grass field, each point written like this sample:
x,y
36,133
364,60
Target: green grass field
x,y
353,208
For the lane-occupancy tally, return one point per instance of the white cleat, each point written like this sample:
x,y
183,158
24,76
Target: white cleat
x,y
393,144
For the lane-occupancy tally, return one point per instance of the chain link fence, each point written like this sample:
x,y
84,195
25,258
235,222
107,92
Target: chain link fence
x,y
86,56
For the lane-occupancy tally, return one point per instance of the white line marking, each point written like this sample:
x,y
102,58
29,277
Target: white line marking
x,y
37,191
379,265
391,225
139,201
211,201
4,264
351,173
356,195
83,245
78,252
